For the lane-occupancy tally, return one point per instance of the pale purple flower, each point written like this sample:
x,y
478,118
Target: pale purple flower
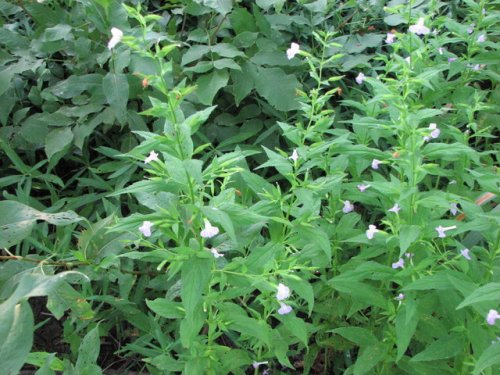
x,y
284,309
400,297
283,292
256,364
419,28
470,29
395,208
481,38
295,156
216,253
453,209
348,207
435,131
360,78
372,229
476,67
390,38
375,163
399,264
441,50
145,228
492,316
292,51
153,156
363,187
452,59
441,230
116,37
209,231
465,253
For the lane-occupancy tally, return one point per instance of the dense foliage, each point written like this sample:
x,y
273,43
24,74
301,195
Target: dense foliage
x,y
234,187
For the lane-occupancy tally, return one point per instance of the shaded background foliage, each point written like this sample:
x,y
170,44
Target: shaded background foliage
x,y
69,114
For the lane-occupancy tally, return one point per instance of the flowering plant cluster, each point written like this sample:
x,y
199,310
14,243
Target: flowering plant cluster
x,y
274,192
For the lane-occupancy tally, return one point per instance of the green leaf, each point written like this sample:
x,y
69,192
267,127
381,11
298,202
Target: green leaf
x,y
362,337
278,88
369,357
490,357
165,308
297,327
221,6
242,20
407,235
445,347
405,328
57,140
488,292
88,352
209,84
116,90
16,331
17,220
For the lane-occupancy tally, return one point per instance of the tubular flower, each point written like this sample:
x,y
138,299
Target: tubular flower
x,y
292,51
419,28
465,253
360,78
145,228
153,156
348,207
441,230
492,316
399,264
116,37
372,229
209,231
284,309
283,292
395,208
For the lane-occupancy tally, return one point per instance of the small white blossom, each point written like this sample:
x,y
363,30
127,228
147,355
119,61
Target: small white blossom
x,y
292,51
395,208
295,155
441,230
348,207
470,29
492,316
465,253
284,309
145,228
375,163
409,255
209,231
481,38
400,297
419,28
153,156
390,38
256,365
116,37
399,264
360,78
216,253
363,187
283,292
372,229
453,209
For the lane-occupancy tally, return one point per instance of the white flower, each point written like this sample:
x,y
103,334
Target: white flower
x,y
283,292
399,264
470,29
441,230
375,163
372,229
360,78
453,209
408,60
465,253
209,231
492,316
215,253
116,37
284,309
409,255
419,28
256,365
441,50
481,38
434,132
363,187
145,228
348,207
390,38
295,155
153,156
292,51
395,208
400,297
